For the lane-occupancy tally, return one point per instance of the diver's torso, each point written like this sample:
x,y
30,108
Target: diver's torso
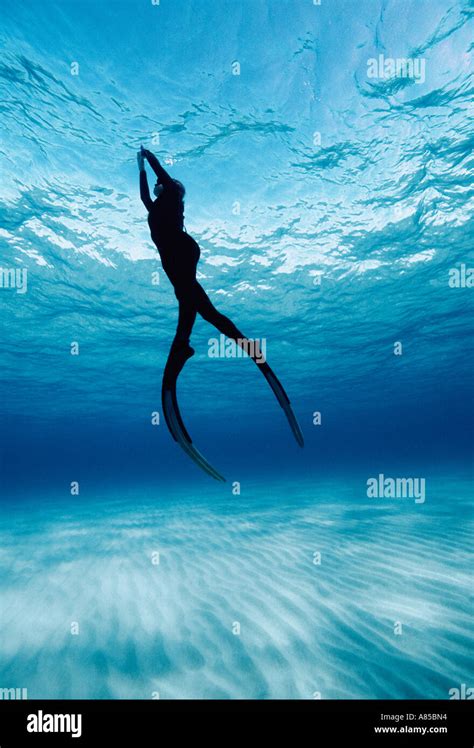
x,y
166,218
179,252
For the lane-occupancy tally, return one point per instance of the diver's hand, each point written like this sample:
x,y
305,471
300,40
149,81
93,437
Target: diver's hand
x,y
141,160
150,157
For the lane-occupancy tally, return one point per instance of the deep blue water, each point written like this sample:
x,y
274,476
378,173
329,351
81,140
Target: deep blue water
x,y
333,210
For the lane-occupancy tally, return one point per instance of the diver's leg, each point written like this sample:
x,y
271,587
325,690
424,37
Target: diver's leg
x,y
207,310
186,319
181,350
182,256
182,273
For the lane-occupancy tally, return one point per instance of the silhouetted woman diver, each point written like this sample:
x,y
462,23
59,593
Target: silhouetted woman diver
x,y
179,254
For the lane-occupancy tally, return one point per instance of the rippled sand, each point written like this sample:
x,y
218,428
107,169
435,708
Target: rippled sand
x,y
305,628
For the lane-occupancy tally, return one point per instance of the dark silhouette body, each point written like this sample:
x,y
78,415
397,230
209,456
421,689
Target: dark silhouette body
x,y
180,254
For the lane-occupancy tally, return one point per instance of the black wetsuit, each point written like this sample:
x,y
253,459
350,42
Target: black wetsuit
x,y
180,254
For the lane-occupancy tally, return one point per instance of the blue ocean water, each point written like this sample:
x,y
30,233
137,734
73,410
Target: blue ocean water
x,y
334,213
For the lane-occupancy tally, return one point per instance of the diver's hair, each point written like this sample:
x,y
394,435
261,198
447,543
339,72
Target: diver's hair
x,y
181,187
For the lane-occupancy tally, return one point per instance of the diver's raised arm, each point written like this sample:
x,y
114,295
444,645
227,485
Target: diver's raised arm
x,y
144,189
162,175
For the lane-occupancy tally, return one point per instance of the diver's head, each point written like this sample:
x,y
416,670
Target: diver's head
x,y
158,189
181,188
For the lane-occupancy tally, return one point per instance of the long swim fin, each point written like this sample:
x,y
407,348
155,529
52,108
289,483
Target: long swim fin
x,y
283,399
174,421
173,416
